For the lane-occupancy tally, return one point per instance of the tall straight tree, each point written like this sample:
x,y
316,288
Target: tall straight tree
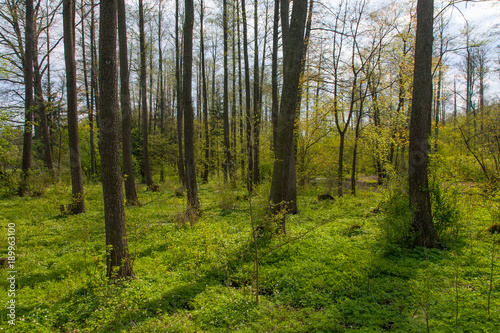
x,y
248,114
283,196
180,161
78,204
117,258
420,128
144,100
274,72
187,106
256,100
205,97
28,99
128,167
227,148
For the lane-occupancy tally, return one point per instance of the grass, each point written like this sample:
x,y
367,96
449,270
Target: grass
x,y
336,273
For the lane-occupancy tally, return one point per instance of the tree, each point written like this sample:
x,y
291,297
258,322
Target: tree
x,y
248,113
420,128
180,161
128,167
227,148
117,258
144,101
78,204
283,195
28,99
187,106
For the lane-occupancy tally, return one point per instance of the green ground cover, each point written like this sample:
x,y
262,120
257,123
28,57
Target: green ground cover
x,y
341,270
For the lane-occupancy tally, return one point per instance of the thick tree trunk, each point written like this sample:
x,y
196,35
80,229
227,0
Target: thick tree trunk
x,y
420,128
187,103
128,167
78,204
117,258
283,196
28,99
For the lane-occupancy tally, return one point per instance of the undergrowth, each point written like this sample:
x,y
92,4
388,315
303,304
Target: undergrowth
x,y
341,266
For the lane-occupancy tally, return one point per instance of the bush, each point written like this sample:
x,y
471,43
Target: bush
x,y
395,224
445,213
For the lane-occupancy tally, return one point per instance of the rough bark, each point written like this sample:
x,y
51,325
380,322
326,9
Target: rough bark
x,y
274,72
144,100
205,99
420,128
117,258
180,162
248,113
78,204
128,167
227,149
28,99
187,104
283,196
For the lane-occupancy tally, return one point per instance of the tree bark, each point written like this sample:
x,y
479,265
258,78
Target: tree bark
x,y
117,258
187,103
180,162
144,100
128,167
274,73
257,105
248,114
28,99
78,204
205,99
420,128
227,149
283,196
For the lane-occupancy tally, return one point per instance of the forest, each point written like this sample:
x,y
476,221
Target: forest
x,y
269,166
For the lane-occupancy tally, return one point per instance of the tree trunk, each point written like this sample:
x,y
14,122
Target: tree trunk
x,y
117,258
257,105
420,127
42,114
248,114
187,103
227,148
28,99
128,167
144,100
88,96
283,196
78,204
274,72
205,99
180,161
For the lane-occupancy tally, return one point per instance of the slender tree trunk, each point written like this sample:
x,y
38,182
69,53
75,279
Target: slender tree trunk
x,y
283,195
205,98
88,96
42,114
274,72
144,100
187,103
160,70
78,204
128,166
420,127
240,94
227,148
257,105
28,99
94,89
247,98
117,258
180,161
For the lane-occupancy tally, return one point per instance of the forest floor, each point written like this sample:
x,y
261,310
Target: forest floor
x,y
335,270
